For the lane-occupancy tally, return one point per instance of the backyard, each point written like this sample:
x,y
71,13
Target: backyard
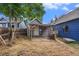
x,y
37,47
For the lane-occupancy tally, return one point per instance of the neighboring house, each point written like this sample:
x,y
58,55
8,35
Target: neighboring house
x,y
34,25
39,29
2,22
5,23
68,25
45,30
22,25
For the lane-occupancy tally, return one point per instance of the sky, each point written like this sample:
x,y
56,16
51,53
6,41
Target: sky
x,y
53,10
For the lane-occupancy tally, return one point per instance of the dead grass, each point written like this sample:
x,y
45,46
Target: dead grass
x,y
36,47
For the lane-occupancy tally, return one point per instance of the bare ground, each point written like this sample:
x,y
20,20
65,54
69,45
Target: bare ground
x,y
36,47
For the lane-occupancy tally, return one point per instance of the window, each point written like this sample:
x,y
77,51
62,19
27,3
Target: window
x,y
66,28
12,26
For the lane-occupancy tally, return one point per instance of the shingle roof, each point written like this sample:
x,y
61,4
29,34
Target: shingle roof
x,y
68,17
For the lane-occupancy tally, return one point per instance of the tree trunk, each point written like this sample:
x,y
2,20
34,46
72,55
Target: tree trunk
x,y
10,29
13,35
14,29
28,32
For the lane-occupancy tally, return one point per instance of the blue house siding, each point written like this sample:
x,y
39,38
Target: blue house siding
x,y
73,29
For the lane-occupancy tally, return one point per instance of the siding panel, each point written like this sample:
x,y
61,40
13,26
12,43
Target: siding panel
x,y
73,29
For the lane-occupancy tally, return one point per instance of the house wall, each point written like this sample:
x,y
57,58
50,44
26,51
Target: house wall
x,y
12,24
22,25
3,25
36,31
73,29
46,32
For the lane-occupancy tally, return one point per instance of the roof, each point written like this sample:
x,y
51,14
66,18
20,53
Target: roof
x,y
68,16
35,21
4,22
44,24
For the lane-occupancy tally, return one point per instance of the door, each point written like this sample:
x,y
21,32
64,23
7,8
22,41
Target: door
x,y
36,31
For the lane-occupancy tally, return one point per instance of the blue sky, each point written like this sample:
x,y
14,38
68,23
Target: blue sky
x,y
57,9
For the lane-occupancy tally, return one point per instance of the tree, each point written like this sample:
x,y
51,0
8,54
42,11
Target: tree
x,y
30,11
14,10
33,10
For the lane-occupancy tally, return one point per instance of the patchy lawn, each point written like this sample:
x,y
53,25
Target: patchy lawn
x,y
36,47
75,45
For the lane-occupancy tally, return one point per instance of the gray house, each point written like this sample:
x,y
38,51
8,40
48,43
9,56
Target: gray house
x,y
5,23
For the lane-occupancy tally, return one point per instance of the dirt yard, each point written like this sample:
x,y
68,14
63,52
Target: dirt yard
x,y
36,47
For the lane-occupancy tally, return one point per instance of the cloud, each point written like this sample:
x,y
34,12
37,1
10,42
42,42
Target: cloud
x,y
50,6
77,5
65,8
61,4
55,5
